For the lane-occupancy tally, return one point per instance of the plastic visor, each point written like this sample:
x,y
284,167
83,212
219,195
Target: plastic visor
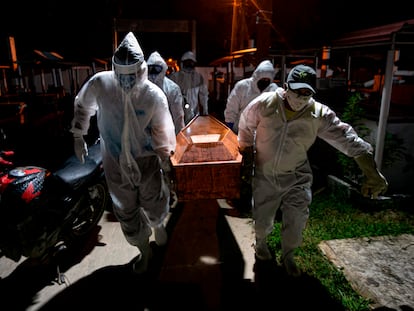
x,y
126,69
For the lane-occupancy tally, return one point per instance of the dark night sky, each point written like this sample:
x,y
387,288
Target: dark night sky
x,y
80,30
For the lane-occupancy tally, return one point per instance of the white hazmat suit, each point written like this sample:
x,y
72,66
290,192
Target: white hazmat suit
x,y
137,137
193,87
245,90
157,67
282,173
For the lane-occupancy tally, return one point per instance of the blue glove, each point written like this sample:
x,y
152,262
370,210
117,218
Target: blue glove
x,y
230,125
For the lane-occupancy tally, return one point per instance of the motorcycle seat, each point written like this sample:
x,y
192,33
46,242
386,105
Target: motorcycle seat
x,y
74,173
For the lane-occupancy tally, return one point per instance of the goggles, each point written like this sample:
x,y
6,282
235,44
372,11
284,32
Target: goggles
x,y
154,69
302,92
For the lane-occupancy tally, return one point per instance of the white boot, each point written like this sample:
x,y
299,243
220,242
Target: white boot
x,y
160,234
173,199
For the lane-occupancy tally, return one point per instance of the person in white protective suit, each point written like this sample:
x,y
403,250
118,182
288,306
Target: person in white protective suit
x,y
157,67
282,126
193,87
137,139
245,90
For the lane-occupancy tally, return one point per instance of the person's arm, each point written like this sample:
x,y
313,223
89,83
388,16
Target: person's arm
x,y
343,137
232,109
176,107
85,106
163,130
203,97
246,136
247,164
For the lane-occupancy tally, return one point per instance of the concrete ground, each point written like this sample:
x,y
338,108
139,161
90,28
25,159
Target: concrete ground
x,y
208,264
379,268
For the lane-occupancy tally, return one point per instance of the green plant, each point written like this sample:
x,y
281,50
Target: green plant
x,y
394,149
352,114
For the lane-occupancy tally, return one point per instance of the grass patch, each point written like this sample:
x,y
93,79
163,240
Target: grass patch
x,y
330,219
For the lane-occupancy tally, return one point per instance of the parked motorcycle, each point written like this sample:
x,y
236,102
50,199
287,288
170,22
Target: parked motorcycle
x,y
44,212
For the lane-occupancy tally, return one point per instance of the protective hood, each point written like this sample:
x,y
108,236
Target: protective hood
x,y
156,59
188,56
188,62
128,59
264,70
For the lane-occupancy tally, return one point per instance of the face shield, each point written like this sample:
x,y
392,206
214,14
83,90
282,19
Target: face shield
x,y
127,75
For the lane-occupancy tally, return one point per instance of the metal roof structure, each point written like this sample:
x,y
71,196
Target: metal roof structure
x,y
395,34
392,39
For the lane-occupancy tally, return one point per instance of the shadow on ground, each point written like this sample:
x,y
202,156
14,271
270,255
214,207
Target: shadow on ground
x,y
117,287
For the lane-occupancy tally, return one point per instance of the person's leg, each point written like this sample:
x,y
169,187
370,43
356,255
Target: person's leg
x,y
141,264
295,214
154,197
127,210
266,203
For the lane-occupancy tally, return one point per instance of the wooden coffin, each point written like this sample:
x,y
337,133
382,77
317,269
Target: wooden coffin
x,y
207,162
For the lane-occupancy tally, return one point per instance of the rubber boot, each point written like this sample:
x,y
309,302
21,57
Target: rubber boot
x,y
290,265
141,264
262,251
160,234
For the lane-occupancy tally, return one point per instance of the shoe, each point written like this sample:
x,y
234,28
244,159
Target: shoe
x,y
173,199
262,251
291,268
161,236
141,264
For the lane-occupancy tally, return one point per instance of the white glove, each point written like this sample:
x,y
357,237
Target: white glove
x,y
81,148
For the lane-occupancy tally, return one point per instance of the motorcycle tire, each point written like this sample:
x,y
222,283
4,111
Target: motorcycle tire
x,y
90,210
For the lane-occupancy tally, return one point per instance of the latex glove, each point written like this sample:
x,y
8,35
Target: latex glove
x,y
81,148
374,183
247,164
166,165
230,125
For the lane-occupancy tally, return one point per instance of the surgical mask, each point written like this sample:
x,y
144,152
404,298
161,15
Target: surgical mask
x,y
127,81
154,73
188,64
262,84
297,102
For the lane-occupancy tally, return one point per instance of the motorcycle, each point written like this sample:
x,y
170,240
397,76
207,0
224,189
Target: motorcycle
x,y
43,212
